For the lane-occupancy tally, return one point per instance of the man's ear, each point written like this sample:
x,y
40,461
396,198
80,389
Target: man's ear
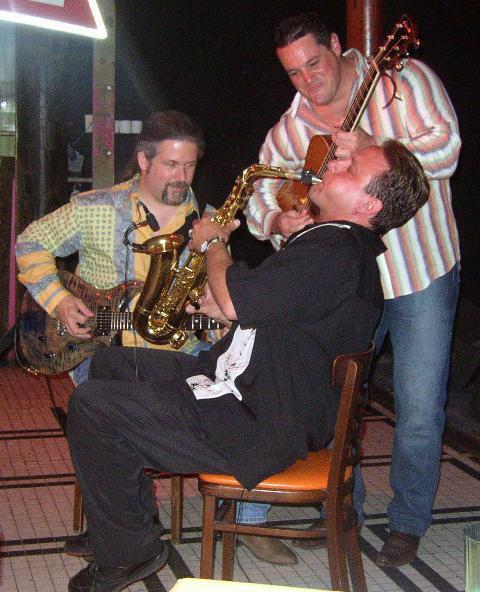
x,y
371,205
335,45
143,161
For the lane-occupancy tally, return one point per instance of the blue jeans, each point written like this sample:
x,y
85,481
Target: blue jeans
x,y
420,327
252,513
79,374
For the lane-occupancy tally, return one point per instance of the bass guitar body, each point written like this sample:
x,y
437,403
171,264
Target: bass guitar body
x,y
43,344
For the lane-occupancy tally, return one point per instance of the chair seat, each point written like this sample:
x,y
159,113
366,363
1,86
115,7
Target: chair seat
x,y
325,476
304,475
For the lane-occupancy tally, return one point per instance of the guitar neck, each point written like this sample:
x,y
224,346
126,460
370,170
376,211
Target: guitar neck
x,y
122,321
356,109
198,321
354,114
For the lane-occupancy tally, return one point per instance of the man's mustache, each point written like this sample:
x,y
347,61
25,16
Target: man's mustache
x,y
177,185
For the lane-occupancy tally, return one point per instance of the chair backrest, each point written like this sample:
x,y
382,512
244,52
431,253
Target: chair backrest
x,y
349,373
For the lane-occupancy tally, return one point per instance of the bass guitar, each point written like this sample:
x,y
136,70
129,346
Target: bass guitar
x,y
44,346
402,39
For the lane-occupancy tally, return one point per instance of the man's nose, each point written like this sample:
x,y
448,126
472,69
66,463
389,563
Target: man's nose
x,y
307,76
180,174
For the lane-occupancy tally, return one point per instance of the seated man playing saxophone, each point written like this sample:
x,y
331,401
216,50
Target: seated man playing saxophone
x,y
260,398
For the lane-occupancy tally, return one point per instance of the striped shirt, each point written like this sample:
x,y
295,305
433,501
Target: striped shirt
x,y
93,224
422,118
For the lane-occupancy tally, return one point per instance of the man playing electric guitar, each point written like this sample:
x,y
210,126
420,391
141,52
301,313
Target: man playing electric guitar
x,y
93,224
419,271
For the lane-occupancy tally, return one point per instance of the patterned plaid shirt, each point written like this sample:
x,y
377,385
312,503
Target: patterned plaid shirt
x,y
92,224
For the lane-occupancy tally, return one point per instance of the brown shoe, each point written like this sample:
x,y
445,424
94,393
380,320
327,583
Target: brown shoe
x,y
310,544
318,543
269,549
399,549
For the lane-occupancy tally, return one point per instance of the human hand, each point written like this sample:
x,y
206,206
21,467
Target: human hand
x,y
73,313
205,229
286,223
349,142
207,305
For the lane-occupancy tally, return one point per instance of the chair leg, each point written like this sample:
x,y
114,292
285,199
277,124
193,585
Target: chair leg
x,y
355,563
176,505
207,555
229,544
78,514
337,561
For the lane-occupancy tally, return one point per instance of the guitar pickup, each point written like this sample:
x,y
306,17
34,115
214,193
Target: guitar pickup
x,y
103,326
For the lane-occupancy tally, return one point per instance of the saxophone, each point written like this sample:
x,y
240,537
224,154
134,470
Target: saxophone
x,y
159,315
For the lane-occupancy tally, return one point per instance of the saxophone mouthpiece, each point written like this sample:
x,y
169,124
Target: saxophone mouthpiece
x,y
307,177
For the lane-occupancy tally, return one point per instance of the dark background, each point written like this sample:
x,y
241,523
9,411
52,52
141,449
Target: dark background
x,y
215,60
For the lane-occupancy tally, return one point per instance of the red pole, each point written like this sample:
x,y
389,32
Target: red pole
x,y
364,25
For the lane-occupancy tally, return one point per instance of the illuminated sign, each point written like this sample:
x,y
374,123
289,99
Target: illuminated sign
x,y
81,17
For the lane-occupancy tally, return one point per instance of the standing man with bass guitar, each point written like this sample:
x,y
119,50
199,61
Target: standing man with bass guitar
x,y
419,271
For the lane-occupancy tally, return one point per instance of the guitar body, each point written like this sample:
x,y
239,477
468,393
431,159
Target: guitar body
x,y
293,194
44,346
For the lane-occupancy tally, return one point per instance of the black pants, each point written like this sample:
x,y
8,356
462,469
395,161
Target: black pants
x,y
135,411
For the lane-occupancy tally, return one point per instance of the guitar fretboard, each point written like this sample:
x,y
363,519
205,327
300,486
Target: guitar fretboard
x,y
109,321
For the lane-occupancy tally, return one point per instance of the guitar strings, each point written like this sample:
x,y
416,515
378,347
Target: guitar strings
x,y
355,110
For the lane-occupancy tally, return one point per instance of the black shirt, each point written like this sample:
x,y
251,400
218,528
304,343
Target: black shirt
x,y
320,296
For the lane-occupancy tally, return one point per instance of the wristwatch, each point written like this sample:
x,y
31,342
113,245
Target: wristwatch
x,y
211,241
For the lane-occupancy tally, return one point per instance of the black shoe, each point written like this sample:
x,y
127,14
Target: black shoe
x,y
95,578
79,546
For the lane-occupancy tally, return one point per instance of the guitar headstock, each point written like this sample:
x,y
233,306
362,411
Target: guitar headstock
x,y
401,40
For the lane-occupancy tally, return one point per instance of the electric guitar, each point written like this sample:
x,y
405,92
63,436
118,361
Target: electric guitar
x,y
402,39
44,346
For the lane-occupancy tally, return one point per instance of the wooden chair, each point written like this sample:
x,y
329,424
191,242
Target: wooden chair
x,y
176,505
323,477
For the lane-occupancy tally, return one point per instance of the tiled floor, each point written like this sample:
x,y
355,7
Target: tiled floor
x,y
36,490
